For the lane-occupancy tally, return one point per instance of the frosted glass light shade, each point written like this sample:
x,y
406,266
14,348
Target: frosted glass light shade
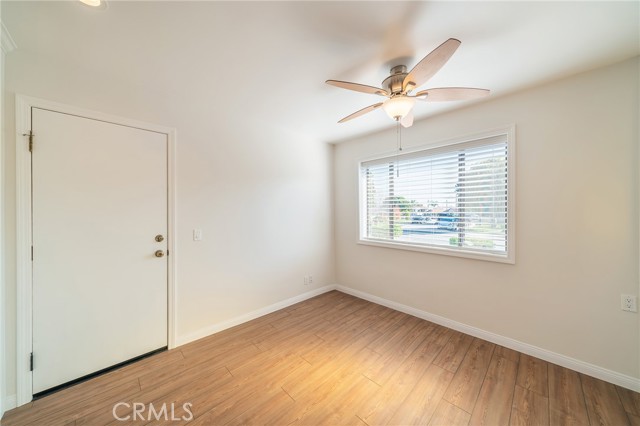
x,y
398,106
94,3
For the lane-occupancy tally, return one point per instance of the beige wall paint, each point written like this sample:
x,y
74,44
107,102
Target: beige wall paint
x,y
573,260
3,365
577,222
261,195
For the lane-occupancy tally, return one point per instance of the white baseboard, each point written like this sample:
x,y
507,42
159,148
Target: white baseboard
x,y
215,328
610,376
9,403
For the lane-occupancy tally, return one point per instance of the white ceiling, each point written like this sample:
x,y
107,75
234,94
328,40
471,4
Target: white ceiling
x,y
267,61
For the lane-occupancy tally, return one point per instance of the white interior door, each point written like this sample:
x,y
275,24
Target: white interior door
x,y
99,200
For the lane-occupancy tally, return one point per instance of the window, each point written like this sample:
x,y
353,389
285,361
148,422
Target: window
x,y
456,198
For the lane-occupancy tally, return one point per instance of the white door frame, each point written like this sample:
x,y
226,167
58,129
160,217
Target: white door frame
x,y
24,283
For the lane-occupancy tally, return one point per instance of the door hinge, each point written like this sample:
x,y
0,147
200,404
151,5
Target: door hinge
x,y
30,134
31,362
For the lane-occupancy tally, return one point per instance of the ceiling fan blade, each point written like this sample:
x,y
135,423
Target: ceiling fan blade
x,y
361,112
358,87
407,121
442,94
430,64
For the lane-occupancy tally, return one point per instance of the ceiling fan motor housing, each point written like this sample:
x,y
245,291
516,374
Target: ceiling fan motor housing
x,y
394,82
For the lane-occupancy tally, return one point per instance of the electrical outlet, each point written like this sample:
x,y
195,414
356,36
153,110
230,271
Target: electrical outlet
x,y
306,280
310,279
629,302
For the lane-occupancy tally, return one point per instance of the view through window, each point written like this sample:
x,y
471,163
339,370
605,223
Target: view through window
x,y
453,197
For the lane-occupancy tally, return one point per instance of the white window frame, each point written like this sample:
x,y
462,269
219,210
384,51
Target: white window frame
x,y
510,257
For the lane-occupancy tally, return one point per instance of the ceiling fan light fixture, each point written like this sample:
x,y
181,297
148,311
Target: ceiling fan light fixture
x,y
93,3
400,83
398,106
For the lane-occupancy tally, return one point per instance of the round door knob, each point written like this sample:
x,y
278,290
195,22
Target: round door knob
x,y
159,238
159,253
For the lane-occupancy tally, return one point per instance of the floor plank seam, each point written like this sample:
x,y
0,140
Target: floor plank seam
x,y
513,391
484,378
362,420
629,419
229,371
285,391
373,362
584,399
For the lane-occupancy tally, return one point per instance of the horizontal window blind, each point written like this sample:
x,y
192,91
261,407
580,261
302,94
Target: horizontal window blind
x,y
453,197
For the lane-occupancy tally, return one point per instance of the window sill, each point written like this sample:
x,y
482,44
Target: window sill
x,y
469,254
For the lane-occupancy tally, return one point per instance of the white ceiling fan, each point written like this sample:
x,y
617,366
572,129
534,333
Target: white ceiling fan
x,y
399,85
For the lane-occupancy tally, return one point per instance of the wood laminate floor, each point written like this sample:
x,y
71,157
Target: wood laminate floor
x,y
338,360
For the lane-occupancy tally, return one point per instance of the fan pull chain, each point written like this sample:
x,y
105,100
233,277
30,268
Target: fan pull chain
x,y
399,138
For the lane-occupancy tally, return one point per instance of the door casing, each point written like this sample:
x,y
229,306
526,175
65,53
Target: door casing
x,y
24,276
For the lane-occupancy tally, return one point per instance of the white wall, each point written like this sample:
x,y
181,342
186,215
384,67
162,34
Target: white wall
x,y
573,259
261,195
577,223
7,400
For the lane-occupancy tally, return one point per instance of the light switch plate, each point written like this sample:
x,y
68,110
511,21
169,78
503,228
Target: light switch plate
x,y
197,235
